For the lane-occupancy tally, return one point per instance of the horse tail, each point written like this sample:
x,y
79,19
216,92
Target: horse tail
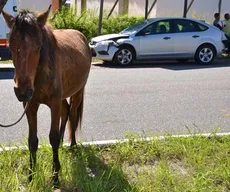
x,y
76,115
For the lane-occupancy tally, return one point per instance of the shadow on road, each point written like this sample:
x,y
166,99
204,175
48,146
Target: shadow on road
x,y
6,73
171,65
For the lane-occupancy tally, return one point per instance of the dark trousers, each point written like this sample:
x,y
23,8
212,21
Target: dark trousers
x,y
227,43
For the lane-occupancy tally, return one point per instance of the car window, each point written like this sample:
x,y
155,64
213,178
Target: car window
x,y
202,27
182,26
159,27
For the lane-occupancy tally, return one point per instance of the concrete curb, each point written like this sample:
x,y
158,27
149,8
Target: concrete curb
x,y
6,66
105,143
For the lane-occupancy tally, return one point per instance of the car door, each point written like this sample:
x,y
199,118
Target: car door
x,y
187,36
156,40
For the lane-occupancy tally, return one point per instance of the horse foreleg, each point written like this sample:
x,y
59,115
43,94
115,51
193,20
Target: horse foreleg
x,y
54,137
33,139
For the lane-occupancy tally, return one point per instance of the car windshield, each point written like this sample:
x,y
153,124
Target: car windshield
x,y
134,28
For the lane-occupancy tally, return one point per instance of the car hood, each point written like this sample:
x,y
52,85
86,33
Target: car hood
x,y
109,37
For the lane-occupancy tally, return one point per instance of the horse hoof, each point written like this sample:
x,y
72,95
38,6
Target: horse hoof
x,y
30,178
56,184
73,144
56,181
73,147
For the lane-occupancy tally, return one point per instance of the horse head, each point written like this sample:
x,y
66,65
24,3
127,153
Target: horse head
x,y
25,43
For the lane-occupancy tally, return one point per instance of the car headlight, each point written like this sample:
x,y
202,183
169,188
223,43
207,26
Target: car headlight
x,y
93,43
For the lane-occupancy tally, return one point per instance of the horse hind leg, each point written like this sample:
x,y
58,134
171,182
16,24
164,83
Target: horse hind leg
x,y
65,107
75,115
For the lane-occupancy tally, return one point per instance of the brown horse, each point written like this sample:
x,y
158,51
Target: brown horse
x,y
50,66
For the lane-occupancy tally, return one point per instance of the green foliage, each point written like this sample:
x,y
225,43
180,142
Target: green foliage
x,y
87,22
117,24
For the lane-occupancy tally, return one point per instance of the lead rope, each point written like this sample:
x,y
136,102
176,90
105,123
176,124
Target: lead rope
x,y
10,125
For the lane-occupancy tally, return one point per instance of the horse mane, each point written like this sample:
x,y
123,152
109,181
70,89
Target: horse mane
x,y
26,24
49,45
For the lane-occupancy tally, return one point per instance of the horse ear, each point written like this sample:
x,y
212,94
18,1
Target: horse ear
x,y
8,18
42,18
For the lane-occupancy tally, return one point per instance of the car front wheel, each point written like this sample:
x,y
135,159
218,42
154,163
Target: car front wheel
x,y
124,56
205,54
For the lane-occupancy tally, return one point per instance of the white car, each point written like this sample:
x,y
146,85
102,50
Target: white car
x,y
161,38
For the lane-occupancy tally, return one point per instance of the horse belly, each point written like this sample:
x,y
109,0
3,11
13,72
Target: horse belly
x,y
74,60
74,74
73,82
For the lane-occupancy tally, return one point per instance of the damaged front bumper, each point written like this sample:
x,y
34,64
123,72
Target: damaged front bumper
x,y
104,50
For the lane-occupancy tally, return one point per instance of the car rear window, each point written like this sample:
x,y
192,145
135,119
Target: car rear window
x,y
183,25
202,27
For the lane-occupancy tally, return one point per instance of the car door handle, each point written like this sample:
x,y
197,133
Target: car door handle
x,y
195,36
167,38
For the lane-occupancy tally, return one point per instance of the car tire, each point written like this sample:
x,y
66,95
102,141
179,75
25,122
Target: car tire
x,y
182,60
124,56
205,54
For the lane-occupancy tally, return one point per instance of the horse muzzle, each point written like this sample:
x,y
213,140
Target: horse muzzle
x,y
23,96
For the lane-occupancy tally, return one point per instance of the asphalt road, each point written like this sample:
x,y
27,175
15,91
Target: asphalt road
x,y
158,98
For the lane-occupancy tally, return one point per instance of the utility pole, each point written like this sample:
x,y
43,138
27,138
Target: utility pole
x,y
185,8
100,17
146,8
219,6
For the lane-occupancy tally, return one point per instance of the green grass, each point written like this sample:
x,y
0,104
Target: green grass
x,y
174,164
6,62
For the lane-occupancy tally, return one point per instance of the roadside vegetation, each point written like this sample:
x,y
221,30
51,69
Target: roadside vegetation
x,y
87,22
189,164
6,61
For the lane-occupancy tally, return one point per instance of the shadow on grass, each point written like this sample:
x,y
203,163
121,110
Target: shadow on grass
x,y
87,171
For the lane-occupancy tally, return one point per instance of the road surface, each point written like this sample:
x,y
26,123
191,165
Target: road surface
x,y
156,99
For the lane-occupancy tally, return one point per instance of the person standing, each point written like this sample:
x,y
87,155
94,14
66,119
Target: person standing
x,y
226,29
220,24
216,19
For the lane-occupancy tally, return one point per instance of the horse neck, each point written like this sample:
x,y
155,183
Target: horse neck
x,y
47,61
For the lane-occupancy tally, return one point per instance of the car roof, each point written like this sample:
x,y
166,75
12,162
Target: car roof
x,y
150,20
171,18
